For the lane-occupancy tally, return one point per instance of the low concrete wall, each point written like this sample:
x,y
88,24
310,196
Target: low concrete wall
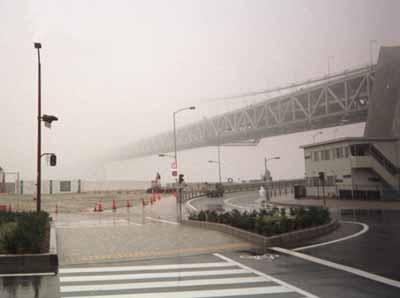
x,y
32,263
284,240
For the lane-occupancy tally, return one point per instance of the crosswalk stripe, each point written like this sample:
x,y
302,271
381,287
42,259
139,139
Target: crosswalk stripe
x,y
199,293
140,268
150,275
162,284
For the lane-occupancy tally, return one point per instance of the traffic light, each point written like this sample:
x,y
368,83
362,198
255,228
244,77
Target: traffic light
x,y
321,176
180,180
53,160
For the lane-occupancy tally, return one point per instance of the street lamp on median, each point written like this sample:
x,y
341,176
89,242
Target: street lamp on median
x,y
219,167
178,193
48,119
174,119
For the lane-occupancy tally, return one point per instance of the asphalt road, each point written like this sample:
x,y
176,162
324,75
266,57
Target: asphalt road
x,y
236,273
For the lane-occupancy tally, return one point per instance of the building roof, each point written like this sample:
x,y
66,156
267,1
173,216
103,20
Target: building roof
x,y
349,139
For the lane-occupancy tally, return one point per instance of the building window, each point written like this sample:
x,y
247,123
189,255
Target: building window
x,y
65,186
346,152
316,156
339,152
326,155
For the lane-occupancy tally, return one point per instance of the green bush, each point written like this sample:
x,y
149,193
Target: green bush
x,y
23,232
268,222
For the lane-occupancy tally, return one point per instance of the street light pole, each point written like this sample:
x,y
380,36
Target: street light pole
x,y
219,160
178,193
39,141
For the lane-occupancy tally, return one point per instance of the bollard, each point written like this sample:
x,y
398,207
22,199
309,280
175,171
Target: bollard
x,y
100,209
114,205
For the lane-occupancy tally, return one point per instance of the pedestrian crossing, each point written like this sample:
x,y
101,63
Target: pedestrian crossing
x,y
220,278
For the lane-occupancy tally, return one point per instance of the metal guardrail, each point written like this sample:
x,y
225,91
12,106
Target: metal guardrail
x,y
274,188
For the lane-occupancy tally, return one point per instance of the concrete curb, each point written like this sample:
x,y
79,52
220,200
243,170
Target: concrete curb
x,y
32,263
284,240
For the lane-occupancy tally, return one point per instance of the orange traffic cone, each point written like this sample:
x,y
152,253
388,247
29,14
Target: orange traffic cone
x,y
114,206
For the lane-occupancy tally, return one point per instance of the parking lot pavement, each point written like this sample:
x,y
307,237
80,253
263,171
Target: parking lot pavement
x,y
212,275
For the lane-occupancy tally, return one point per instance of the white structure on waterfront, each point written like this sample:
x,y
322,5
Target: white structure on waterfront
x,y
353,167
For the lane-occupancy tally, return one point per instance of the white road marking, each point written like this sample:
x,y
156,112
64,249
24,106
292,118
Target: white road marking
x,y
337,266
27,274
162,284
227,202
162,220
201,293
144,267
267,277
189,203
150,275
364,230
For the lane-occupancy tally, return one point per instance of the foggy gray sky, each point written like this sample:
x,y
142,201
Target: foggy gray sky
x,y
114,71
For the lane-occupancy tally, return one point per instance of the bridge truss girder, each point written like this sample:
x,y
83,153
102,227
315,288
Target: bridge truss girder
x,y
313,107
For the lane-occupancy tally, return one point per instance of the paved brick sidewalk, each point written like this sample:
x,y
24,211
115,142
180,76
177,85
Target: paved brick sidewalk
x,y
96,237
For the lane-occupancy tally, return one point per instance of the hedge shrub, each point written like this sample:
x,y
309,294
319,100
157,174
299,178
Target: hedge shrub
x,y
23,232
268,223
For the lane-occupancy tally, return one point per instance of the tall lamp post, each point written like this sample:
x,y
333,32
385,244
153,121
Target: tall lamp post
x,y
219,168
178,193
47,119
266,170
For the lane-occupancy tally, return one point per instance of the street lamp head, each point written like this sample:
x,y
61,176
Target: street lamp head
x,y
277,157
161,155
49,118
37,45
192,108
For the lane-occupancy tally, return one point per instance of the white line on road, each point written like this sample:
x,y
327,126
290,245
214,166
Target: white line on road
x,y
27,274
149,275
162,220
227,202
267,277
162,284
144,267
364,230
200,293
189,203
337,266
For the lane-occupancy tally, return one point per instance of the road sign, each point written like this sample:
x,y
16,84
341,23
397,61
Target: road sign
x,y
174,173
173,165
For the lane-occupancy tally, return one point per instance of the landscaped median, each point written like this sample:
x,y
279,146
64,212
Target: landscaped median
x,y
268,228
27,243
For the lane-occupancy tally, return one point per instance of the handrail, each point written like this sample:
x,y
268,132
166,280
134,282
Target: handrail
x,y
383,160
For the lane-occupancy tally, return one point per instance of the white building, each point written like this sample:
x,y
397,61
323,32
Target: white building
x,y
354,167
